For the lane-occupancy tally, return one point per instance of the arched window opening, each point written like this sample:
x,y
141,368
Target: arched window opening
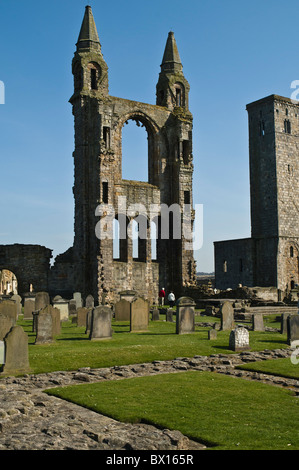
x,y
134,151
225,266
291,252
179,95
78,79
94,75
8,283
135,241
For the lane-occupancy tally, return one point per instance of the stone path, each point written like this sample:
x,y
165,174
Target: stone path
x,y
32,420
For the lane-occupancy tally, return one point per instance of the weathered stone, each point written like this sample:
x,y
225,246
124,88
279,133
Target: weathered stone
x,y
155,315
239,339
6,324
258,322
169,315
44,327
293,328
63,307
185,316
29,307
78,299
101,323
139,315
89,301
227,316
42,299
212,334
81,316
122,310
9,308
18,300
16,352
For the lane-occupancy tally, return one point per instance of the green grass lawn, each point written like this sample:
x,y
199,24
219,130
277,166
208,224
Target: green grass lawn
x,y
279,367
72,349
223,412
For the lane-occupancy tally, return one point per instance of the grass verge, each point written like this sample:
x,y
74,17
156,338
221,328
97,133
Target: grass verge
x,y
224,412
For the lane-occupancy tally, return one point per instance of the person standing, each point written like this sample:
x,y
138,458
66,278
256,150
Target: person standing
x,y
171,299
162,296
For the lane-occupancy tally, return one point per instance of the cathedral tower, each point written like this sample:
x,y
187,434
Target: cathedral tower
x,y
106,265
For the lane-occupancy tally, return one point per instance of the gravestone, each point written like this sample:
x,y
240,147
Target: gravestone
x,y
18,300
258,322
56,320
6,324
293,328
139,315
9,307
155,315
212,334
42,299
78,299
122,310
185,316
81,316
127,295
169,315
73,307
88,321
101,323
239,339
44,327
227,316
29,307
63,307
89,301
57,298
16,352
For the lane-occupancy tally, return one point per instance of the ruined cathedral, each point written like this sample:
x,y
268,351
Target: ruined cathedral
x,y
99,120
93,265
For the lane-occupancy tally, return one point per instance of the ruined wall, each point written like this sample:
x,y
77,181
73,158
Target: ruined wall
x,y
30,264
234,263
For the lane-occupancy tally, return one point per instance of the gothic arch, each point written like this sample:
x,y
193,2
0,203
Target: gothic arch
x,y
153,139
291,257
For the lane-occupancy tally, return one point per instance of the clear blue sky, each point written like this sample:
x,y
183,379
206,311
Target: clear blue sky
x,y
233,52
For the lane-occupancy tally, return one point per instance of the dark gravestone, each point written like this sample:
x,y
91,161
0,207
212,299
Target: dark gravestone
x,y
185,316
293,328
258,322
29,307
101,323
6,324
155,315
42,299
16,352
122,310
88,321
89,302
72,307
44,327
239,339
139,315
169,315
227,316
81,316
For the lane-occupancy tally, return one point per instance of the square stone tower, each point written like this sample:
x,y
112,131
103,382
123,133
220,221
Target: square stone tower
x,y
104,200
271,256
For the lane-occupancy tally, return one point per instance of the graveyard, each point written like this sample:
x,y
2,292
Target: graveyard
x,y
224,379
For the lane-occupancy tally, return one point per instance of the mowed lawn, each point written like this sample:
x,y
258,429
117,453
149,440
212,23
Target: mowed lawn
x,y
223,412
72,349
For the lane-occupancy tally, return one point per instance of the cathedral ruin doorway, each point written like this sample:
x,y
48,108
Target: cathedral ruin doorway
x,y
8,282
